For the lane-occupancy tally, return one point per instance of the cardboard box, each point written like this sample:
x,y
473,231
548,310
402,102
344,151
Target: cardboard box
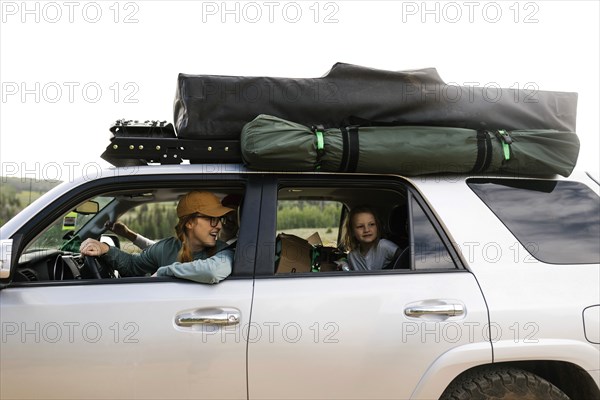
x,y
315,239
296,254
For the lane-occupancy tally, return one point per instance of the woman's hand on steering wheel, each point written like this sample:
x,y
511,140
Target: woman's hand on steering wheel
x,y
93,247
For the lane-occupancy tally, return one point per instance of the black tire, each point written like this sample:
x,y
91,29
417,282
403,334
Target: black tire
x,y
502,384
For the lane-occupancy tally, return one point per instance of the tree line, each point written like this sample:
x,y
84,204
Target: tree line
x,y
292,214
17,193
10,205
157,221
154,221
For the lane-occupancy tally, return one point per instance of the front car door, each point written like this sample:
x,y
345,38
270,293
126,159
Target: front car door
x,y
122,338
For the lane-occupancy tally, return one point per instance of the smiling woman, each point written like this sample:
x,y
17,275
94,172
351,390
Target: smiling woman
x,y
195,254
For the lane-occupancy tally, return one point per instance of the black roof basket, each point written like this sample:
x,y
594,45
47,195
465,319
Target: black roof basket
x,y
155,142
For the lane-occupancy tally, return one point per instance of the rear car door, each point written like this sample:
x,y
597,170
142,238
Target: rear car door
x,y
124,338
378,334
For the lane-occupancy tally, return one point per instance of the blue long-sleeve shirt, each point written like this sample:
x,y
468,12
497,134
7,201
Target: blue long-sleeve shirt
x,y
161,256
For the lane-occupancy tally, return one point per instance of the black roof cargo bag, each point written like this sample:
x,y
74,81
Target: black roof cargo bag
x,y
271,143
217,107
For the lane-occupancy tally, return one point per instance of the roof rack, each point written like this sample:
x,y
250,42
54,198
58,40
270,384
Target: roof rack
x,y
155,142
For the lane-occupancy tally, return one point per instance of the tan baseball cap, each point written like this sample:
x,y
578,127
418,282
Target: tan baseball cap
x,y
204,203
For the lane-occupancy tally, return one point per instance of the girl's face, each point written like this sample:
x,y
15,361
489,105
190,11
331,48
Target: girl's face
x,y
364,228
201,234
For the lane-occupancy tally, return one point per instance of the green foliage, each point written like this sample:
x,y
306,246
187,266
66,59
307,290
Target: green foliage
x,y
17,193
154,221
10,204
27,184
308,214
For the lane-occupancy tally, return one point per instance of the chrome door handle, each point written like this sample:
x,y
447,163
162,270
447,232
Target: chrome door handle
x,y
450,310
223,316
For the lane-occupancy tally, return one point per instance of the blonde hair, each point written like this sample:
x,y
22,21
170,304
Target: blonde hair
x,y
349,240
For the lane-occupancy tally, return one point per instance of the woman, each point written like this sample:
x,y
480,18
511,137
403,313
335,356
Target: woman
x,y
228,233
195,254
368,251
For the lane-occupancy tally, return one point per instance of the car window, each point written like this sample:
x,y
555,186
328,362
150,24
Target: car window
x,y
558,222
314,233
149,211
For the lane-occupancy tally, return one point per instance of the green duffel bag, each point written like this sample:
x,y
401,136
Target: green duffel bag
x,y
271,143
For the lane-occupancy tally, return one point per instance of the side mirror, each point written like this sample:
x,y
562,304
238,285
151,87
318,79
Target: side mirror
x,y
87,208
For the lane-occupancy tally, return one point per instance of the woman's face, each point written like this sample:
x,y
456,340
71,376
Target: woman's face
x,y
201,234
364,228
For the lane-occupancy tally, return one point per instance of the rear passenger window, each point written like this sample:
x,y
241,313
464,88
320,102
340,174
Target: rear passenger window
x,y
358,227
558,222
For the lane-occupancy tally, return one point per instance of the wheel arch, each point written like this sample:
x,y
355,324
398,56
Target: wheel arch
x,y
573,380
570,378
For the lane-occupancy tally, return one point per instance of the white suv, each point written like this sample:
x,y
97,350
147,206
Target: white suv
x,y
497,297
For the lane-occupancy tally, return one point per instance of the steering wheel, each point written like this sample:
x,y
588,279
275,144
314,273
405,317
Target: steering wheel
x,y
400,259
93,269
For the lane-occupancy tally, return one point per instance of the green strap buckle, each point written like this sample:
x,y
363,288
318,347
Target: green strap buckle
x,y
318,131
506,142
320,141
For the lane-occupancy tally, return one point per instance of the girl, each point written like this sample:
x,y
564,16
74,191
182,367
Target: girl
x,y
368,250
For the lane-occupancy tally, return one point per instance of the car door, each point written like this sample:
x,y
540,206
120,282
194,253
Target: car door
x,y
131,337
381,334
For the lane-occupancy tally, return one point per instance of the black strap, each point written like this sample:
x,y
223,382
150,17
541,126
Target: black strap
x,y
488,151
345,145
350,149
484,152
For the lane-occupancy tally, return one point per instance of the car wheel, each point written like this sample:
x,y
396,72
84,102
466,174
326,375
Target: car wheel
x,y
502,383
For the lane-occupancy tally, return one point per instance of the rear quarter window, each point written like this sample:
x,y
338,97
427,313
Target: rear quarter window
x,y
558,222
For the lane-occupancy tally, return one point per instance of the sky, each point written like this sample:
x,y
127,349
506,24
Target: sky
x,y
69,69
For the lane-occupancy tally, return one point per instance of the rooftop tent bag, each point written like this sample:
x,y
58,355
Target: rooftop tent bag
x,y
271,143
217,107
